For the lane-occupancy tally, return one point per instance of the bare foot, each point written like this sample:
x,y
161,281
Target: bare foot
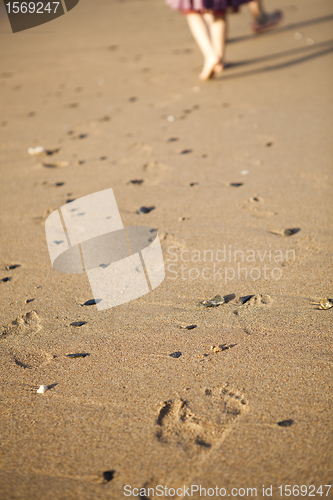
x,y
218,68
209,68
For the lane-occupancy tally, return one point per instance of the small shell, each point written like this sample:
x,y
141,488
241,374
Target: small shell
x,y
42,389
214,302
216,348
36,151
325,304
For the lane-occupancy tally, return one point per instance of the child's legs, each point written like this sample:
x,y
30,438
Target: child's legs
x,y
217,30
202,36
199,30
256,8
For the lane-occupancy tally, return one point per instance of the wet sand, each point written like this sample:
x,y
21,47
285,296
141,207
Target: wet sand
x,y
109,85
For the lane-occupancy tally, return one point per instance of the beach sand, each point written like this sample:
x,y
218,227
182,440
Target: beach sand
x,y
114,73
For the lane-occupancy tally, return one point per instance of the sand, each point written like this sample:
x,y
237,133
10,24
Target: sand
x,y
114,72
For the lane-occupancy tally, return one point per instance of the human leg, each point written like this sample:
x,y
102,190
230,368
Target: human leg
x,y
263,20
217,29
201,34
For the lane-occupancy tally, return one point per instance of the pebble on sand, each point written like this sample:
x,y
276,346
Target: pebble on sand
x,y
135,181
189,327
78,355
145,210
290,232
42,389
286,423
176,354
7,278
108,475
91,302
78,323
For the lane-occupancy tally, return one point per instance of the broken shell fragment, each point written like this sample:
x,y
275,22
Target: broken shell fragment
x,y
216,348
36,151
214,302
42,389
221,347
325,304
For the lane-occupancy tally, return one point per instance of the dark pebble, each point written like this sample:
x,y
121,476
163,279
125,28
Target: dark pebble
x,y
58,184
204,156
132,99
236,184
78,355
269,144
190,327
176,354
186,151
83,136
135,181
173,139
290,232
103,158
70,200
145,210
194,184
78,323
13,266
92,302
108,475
51,152
245,299
8,278
81,162
286,423
29,300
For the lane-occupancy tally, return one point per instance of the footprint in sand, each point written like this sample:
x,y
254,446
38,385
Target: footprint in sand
x,y
169,240
199,425
258,300
30,360
255,206
154,172
23,325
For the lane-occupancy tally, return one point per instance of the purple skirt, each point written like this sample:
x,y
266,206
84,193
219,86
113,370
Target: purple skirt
x,y
205,5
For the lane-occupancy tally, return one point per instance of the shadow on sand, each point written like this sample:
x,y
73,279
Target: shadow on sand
x,y
282,29
326,48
